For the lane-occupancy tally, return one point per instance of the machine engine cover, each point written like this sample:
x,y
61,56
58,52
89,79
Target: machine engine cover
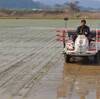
x,y
81,44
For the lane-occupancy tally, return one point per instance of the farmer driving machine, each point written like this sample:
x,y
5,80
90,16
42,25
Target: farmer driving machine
x,y
81,46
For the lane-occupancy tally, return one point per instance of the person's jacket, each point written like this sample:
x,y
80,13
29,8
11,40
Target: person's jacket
x,y
83,30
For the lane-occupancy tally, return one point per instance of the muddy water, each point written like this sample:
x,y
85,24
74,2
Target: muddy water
x,y
80,82
28,52
31,61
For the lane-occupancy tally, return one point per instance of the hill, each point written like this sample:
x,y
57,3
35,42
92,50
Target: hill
x,y
20,4
84,3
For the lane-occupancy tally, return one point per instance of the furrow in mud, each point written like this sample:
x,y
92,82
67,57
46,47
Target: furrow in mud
x,y
23,64
26,73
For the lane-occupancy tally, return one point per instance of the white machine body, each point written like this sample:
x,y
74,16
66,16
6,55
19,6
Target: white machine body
x,y
81,47
81,44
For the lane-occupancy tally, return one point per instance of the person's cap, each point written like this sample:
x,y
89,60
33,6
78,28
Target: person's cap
x,y
83,21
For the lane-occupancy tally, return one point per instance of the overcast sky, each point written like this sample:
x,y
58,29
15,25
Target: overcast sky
x,y
86,3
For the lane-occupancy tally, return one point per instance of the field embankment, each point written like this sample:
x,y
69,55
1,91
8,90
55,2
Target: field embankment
x,y
23,14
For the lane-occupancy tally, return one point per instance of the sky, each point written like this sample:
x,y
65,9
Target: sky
x,y
85,3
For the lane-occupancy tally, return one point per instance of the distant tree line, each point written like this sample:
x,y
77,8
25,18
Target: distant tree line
x,y
74,6
13,12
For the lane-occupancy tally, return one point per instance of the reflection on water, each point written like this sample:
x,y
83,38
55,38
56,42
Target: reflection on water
x,y
81,82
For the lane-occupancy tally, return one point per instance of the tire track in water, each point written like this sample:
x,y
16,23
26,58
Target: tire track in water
x,y
12,63
20,61
25,77
27,89
50,45
19,64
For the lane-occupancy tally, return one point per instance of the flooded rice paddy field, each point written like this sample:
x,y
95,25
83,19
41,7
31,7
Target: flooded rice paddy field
x,y
31,63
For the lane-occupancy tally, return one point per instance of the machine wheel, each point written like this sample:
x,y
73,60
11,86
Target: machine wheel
x,y
86,60
97,58
67,58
